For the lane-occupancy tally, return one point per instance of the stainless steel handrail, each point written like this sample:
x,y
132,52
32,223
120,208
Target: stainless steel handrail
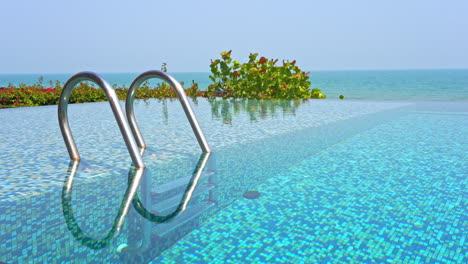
x,y
129,107
116,109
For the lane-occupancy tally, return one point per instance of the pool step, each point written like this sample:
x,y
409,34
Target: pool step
x,y
168,205
191,213
173,187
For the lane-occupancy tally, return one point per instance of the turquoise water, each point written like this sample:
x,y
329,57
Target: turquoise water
x,y
441,85
389,194
352,181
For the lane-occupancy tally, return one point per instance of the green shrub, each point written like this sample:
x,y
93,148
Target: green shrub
x,y
259,78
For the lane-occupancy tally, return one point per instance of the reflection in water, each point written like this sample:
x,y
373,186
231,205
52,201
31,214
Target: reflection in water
x,y
256,108
140,208
149,233
134,177
225,108
165,113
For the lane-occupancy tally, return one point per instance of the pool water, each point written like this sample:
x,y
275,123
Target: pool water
x,y
339,182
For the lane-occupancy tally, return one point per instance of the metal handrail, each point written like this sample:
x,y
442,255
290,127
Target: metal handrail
x,y
129,107
116,109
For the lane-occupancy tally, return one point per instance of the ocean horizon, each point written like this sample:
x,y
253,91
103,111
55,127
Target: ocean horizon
x,y
425,85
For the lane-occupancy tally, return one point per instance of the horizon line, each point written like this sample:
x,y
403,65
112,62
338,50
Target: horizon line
x,y
172,72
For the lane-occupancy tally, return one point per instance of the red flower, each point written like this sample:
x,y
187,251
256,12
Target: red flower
x,y
262,60
16,103
236,73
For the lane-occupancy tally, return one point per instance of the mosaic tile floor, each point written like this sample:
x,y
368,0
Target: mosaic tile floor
x,y
340,181
33,155
389,195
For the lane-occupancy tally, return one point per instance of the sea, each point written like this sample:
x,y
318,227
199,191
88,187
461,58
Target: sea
x,y
421,85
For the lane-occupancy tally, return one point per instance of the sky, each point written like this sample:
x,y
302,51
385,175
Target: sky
x,y
57,36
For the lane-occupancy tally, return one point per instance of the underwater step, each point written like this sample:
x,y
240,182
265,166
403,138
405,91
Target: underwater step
x,y
190,214
176,184
168,205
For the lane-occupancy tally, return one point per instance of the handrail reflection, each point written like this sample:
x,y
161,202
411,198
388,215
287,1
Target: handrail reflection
x,y
139,207
134,176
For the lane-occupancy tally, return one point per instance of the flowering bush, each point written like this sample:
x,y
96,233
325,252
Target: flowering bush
x,y
11,96
37,94
259,78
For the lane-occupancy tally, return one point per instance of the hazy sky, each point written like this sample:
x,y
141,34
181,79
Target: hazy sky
x,y
65,36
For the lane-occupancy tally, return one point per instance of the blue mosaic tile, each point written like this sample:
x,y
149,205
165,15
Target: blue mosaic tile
x,y
366,200
340,181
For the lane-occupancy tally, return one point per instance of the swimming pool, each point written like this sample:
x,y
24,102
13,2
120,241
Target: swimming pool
x,y
340,181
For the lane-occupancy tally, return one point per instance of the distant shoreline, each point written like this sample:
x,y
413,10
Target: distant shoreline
x,y
413,84
342,70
